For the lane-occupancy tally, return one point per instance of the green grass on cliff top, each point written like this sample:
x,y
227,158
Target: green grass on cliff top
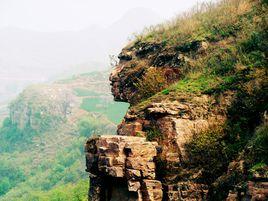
x,y
235,31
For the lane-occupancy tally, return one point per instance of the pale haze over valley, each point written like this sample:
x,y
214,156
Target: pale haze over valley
x,y
41,40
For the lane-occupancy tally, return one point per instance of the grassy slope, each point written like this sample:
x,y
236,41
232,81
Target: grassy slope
x,y
237,52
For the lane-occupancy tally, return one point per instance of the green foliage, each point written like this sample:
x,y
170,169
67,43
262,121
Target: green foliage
x,y
221,62
259,146
87,126
94,125
207,21
10,175
65,168
257,41
153,134
150,83
207,151
66,192
50,122
4,185
258,167
165,92
254,49
244,115
113,110
47,162
195,83
85,92
10,134
64,173
228,62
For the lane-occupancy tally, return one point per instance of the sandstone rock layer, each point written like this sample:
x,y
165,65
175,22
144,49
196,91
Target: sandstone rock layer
x,y
122,168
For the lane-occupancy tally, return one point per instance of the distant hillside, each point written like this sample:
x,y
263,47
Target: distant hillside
x,y
28,57
41,142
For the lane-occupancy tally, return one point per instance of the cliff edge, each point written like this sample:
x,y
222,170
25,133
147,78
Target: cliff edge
x,y
197,89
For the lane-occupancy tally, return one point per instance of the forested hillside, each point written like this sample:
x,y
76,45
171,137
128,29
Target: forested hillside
x,y
41,142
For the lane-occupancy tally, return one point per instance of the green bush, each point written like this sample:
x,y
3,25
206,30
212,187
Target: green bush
x,y
153,134
259,145
11,136
259,167
88,126
10,175
150,83
207,151
165,92
221,62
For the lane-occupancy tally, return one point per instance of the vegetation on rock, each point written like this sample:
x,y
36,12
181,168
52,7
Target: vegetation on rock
x,y
201,80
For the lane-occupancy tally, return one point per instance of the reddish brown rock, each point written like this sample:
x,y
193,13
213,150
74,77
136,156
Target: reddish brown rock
x,y
122,164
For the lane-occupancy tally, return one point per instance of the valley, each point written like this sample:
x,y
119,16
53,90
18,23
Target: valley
x,y
41,142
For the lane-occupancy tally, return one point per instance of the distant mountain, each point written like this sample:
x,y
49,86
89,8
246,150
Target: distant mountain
x,y
28,57
134,21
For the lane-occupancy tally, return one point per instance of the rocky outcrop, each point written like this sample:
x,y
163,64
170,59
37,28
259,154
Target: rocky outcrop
x,y
126,74
122,168
172,121
255,190
195,97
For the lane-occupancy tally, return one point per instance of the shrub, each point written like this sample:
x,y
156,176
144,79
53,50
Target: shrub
x,y
88,126
150,83
91,125
165,92
207,151
10,175
261,168
222,62
259,145
153,134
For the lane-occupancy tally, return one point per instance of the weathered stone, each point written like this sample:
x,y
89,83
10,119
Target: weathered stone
x,y
115,171
144,150
172,108
120,160
123,158
148,174
131,173
255,191
152,190
133,185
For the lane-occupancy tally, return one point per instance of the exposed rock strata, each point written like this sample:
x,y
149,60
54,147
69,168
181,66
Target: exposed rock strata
x,y
122,168
173,119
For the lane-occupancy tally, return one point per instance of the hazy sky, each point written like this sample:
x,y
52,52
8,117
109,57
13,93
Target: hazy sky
x,y
61,15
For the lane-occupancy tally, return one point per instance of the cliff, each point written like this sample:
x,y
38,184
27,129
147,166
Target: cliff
x,y
197,87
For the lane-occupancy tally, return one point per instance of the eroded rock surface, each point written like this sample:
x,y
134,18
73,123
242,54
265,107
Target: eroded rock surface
x,y
201,119
122,168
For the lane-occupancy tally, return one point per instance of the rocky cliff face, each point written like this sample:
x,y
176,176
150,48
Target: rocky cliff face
x,y
122,168
204,107
172,122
